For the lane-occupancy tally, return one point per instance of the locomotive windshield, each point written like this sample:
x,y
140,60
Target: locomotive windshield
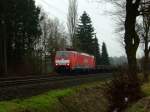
x,y
62,53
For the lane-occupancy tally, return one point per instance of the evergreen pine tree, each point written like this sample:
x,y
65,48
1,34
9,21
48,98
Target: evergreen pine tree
x,y
104,57
22,27
97,51
19,30
84,35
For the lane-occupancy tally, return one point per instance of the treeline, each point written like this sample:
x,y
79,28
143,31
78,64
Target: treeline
x,y
85,40
27,35
29,38
19,30
82,35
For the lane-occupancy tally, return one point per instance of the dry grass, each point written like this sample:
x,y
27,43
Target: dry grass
x,y
87,100
143,105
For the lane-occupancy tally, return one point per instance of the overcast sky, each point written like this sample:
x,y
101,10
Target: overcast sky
x,y
102,22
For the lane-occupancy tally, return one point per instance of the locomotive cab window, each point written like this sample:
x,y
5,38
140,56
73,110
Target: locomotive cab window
x,y
62,54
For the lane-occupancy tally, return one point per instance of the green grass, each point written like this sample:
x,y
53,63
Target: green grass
x,y
138,107
47,102
143,104
146,89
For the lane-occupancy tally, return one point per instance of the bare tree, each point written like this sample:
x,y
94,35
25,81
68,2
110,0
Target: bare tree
x,y
132,41
72,20
52,39
145,35
56,36
130,84
138,7
127,26
44,37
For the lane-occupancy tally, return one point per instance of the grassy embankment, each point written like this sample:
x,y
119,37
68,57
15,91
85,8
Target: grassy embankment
x,y
143,105
41,103
85,98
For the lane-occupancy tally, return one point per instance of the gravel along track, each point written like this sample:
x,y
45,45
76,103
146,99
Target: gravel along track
x,y
11,88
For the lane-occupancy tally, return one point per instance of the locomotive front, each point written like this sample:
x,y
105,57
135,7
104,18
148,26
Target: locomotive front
x,y
62,61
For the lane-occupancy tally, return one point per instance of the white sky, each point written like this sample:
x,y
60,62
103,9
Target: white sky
x,y
103,23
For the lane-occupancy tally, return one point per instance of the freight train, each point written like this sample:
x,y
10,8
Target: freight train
x,y
74,61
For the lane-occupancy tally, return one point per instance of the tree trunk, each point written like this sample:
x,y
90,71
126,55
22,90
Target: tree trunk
x,y
146,59
131,44
1,48
146,62
5,49
146,25
4,37
131,38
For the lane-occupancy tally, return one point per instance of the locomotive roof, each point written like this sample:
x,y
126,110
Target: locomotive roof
x,y
78,52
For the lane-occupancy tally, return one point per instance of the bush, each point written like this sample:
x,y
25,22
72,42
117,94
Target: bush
x,y
120,91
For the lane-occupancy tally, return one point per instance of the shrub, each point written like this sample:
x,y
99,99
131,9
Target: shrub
x,y
120,91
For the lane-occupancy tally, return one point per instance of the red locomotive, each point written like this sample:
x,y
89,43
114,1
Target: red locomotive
x,y
73,61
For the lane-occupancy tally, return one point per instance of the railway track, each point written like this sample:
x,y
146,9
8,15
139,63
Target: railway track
x,y
18,81
21,87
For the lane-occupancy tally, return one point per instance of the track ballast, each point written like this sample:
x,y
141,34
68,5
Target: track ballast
x,y
21,87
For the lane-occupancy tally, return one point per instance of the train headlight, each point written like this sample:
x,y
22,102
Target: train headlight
x,y
56,64
67,64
